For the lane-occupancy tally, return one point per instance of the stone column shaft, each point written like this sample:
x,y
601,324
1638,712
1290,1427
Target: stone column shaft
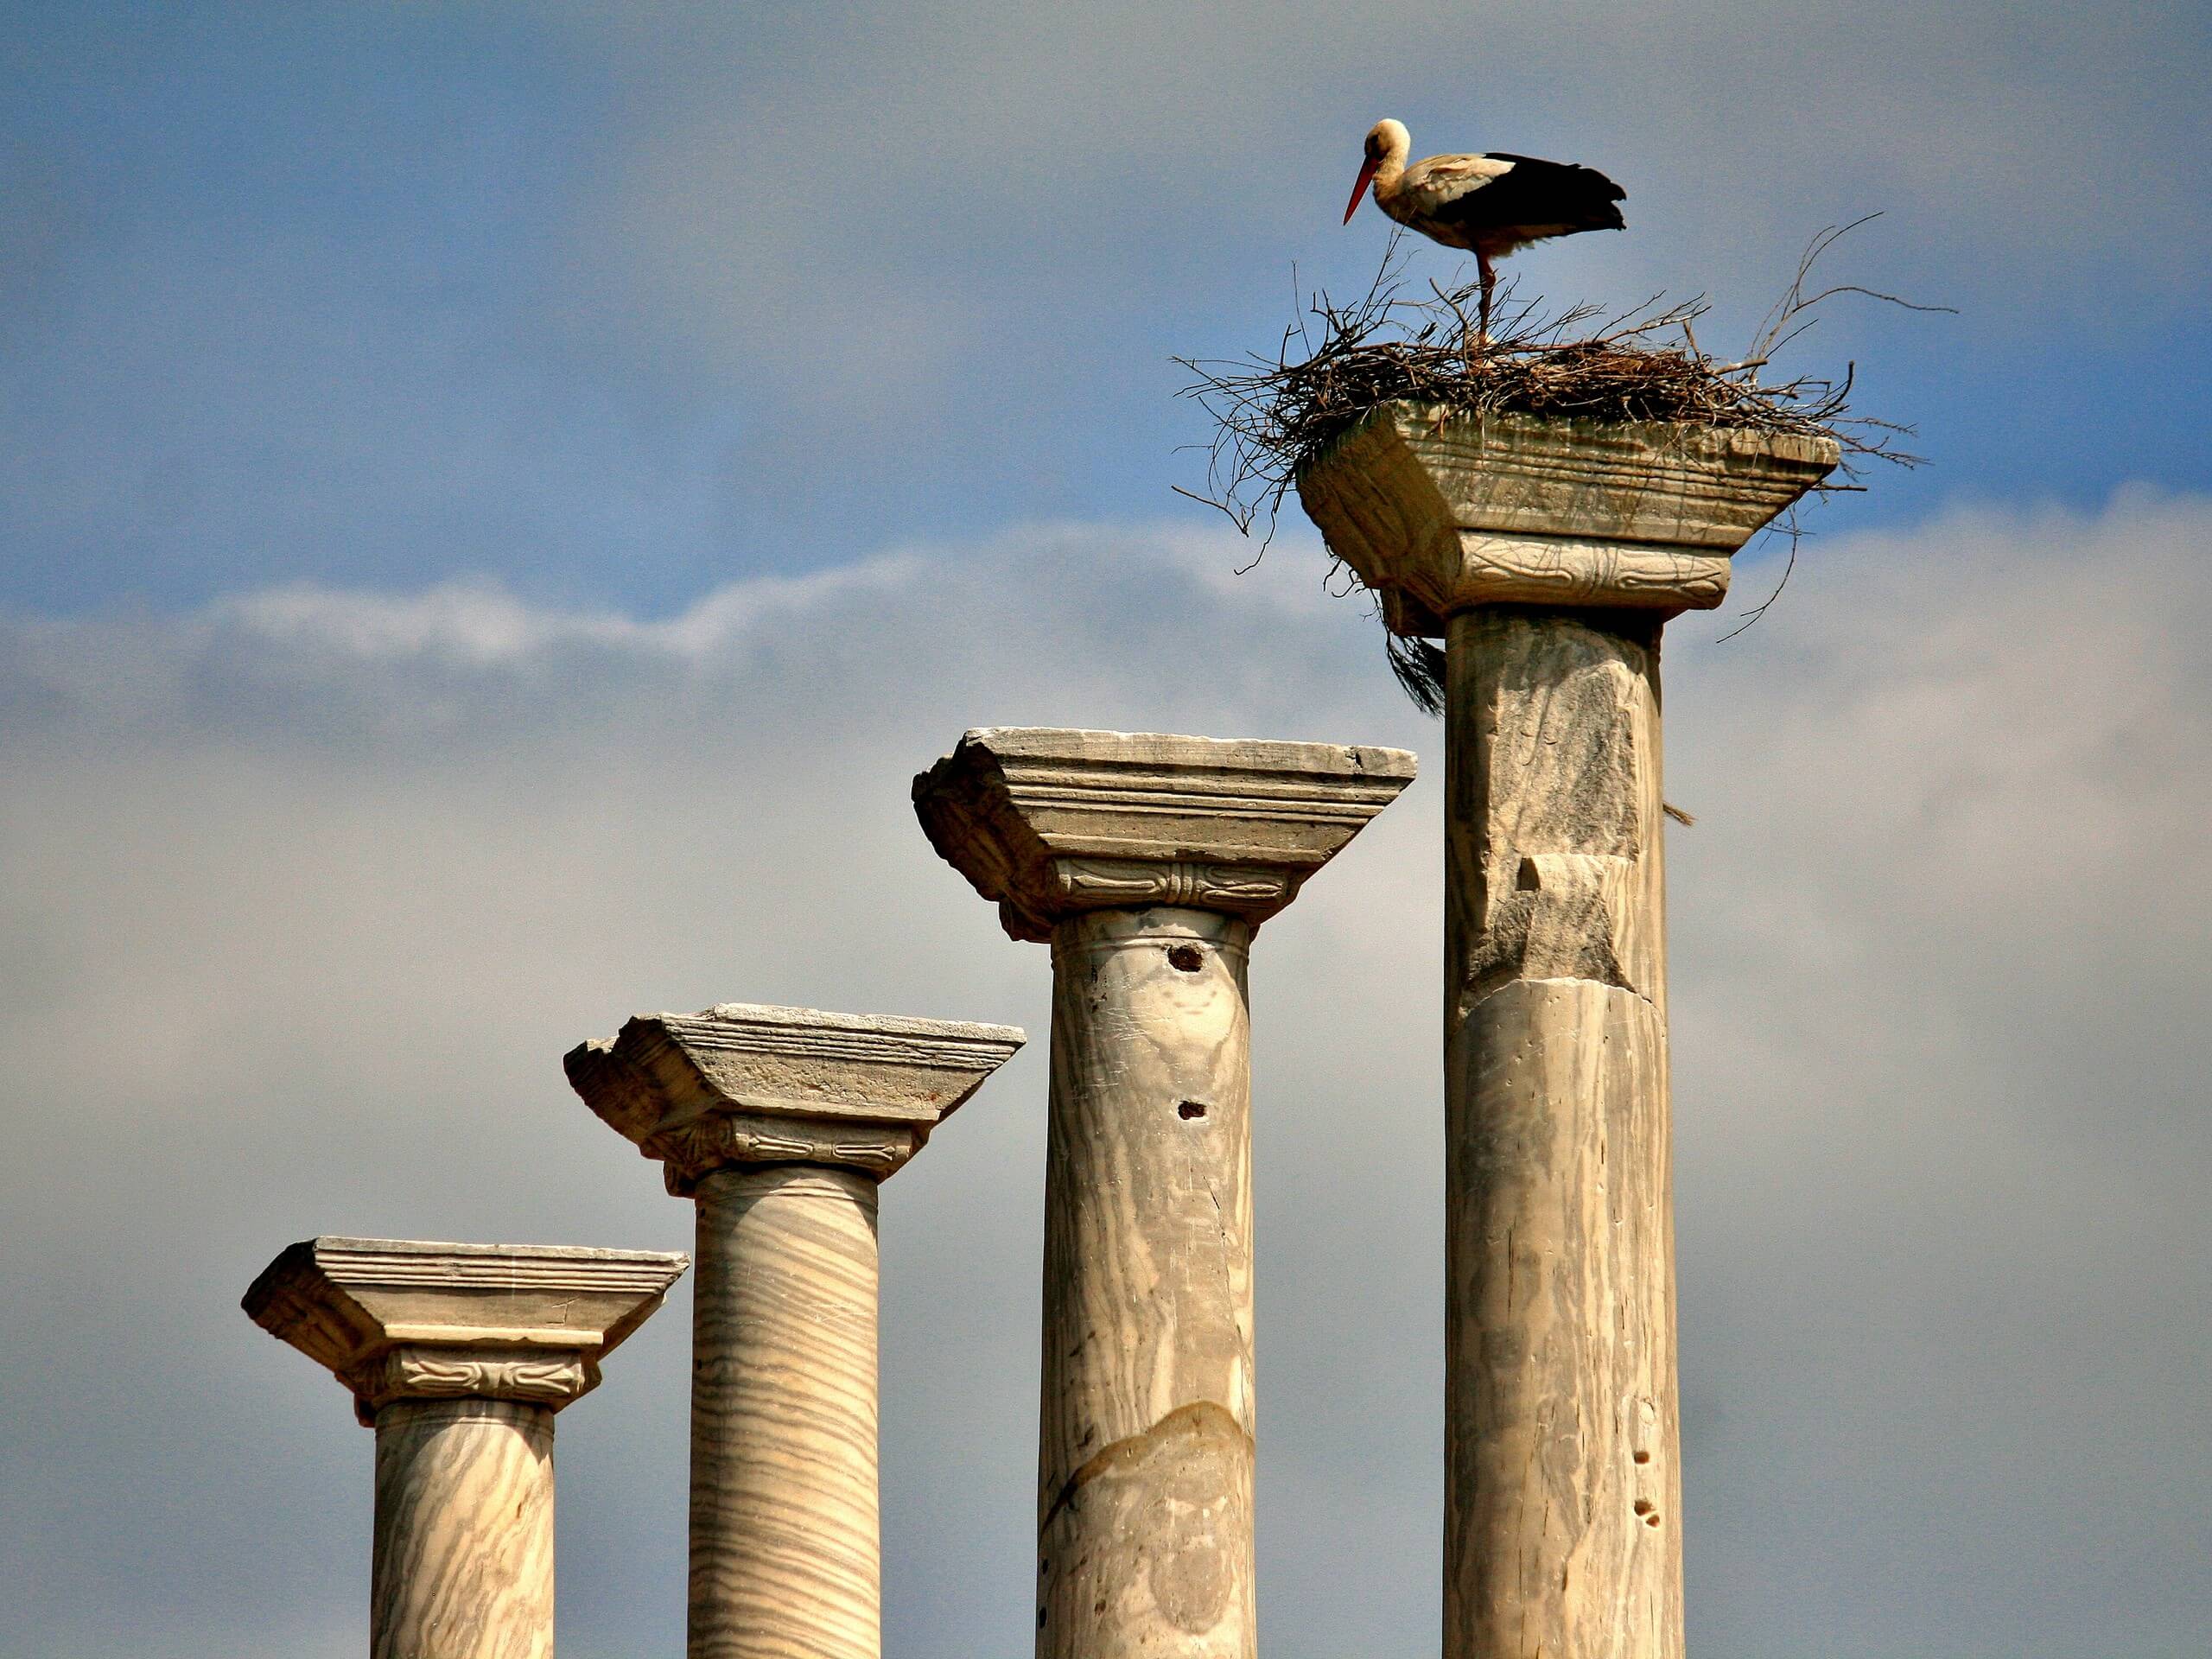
x,y
1563,1499
1145,1459
781,1123
1147,862
785,1550
459,1355
1548,553
463,1557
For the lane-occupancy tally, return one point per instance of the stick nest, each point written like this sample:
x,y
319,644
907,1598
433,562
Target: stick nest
x,y
1340,363
1336,364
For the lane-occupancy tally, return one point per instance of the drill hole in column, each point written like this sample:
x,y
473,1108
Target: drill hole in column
x,y
1185,959
1189,1109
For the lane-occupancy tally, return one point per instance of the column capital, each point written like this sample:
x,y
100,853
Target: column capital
x,y
1437,511
1049,822
743,1083
405,1320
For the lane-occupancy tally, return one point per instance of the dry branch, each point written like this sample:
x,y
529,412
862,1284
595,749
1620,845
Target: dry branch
x,y
1337,363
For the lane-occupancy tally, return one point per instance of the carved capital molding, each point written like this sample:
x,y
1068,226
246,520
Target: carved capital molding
x,y
742,1083
1079,884
423,1371
401,1319
1049,823
1438,512
720,1139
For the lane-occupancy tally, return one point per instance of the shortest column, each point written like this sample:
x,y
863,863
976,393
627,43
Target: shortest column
x,y
458,1356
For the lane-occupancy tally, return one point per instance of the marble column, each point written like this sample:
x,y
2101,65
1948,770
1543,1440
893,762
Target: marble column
x,y
1146,862
780,1123
1547,555
458,1355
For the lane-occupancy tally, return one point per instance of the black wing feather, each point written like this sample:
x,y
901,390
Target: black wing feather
x,y
1539,193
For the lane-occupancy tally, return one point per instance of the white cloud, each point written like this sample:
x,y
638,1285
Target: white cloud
x,y
481,622
311,889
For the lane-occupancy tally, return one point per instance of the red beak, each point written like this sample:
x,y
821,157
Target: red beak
x,y
1360,189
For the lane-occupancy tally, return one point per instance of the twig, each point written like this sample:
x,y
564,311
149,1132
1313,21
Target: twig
x,y
1336,362
1789,528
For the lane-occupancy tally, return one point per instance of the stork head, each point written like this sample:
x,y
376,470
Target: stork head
x,y
1387,141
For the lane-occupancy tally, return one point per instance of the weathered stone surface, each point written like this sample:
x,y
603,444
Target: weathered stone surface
x,y
1147,862
1439,511
459,1355
1151,1553
1562,1500
742,1083
1145,1461
781,1123
1554,833
1049,822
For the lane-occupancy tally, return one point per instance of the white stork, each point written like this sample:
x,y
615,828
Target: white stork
x,y
1492,204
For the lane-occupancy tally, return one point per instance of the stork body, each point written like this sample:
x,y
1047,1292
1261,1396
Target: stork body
x,y
1489,205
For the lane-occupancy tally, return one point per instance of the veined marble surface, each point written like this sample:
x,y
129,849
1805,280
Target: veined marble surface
x,y
785,1551
463,1562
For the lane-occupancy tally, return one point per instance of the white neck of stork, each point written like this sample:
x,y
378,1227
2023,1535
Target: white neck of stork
x,y
1388,145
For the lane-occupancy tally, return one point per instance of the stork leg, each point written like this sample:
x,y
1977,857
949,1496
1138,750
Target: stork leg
x,y
1489,279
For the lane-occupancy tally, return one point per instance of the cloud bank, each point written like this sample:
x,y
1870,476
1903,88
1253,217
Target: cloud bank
x,y
311,888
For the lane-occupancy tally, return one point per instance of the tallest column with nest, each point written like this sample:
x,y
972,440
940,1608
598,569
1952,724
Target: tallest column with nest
x,y
1548,554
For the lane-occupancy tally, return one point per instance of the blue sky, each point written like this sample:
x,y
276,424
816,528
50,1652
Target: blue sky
x,y
496,501
620,304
